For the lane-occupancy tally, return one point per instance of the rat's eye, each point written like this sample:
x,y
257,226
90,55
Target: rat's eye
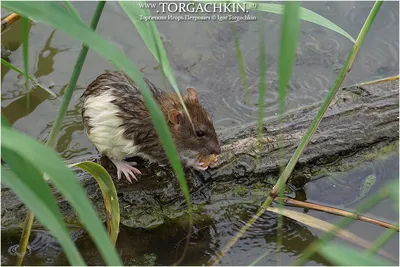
x,y
200,133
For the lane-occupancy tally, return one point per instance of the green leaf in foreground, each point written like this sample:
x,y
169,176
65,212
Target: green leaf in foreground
x,y
151,37
28,184
11,66
66,182
109,193
344,255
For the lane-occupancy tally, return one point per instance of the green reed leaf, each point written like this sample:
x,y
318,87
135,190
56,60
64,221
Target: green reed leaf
x,y
109,193
66,182
344,255
151,37
26,181
11,66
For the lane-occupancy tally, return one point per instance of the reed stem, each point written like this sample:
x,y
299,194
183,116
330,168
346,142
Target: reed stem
x,y
9,20
23,243
51,141
340,212
310,131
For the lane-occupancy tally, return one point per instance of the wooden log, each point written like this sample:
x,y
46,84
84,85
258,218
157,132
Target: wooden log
x,y
361,121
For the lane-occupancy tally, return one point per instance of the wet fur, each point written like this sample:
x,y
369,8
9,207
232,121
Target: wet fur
x,y
118,123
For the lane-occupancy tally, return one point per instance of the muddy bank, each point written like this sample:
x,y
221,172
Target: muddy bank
x,y
360,125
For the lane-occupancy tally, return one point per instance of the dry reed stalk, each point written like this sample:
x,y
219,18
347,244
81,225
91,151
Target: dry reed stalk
x,y
8,20
340,212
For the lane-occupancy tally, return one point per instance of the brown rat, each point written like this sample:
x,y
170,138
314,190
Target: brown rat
x,y
119,125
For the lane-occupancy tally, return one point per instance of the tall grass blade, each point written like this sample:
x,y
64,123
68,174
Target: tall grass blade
x,y
52,138
11,66
344,255
287,54
65,181
26,181
109,193
370,202
151,37
241,64
25,54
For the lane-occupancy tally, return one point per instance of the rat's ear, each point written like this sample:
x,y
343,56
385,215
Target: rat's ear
x,y
192,93
174,116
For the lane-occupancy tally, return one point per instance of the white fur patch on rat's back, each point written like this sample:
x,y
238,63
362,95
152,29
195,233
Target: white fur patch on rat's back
x,y
106,133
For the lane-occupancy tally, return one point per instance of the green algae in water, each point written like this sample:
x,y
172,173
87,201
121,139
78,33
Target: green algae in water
x,y
365,187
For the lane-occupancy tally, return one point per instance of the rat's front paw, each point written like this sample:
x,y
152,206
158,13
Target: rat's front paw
x,y
127,169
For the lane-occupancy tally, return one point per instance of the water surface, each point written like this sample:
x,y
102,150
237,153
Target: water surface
x,y
204,57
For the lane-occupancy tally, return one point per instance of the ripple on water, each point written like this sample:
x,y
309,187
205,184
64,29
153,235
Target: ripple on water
x,y
381,59
43,244
387,18
262,236
237,110
321,50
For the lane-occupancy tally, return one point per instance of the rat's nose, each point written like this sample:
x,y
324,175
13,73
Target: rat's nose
x,y
217,149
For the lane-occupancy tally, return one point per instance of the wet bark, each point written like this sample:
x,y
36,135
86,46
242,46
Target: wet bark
x,y
361,121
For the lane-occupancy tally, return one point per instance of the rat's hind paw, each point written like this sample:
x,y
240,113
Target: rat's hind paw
x,y
127,169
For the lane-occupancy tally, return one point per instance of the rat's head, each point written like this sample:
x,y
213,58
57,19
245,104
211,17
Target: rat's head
x,y
194,139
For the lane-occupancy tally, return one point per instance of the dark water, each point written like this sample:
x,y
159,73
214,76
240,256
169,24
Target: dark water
x,y
204,55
